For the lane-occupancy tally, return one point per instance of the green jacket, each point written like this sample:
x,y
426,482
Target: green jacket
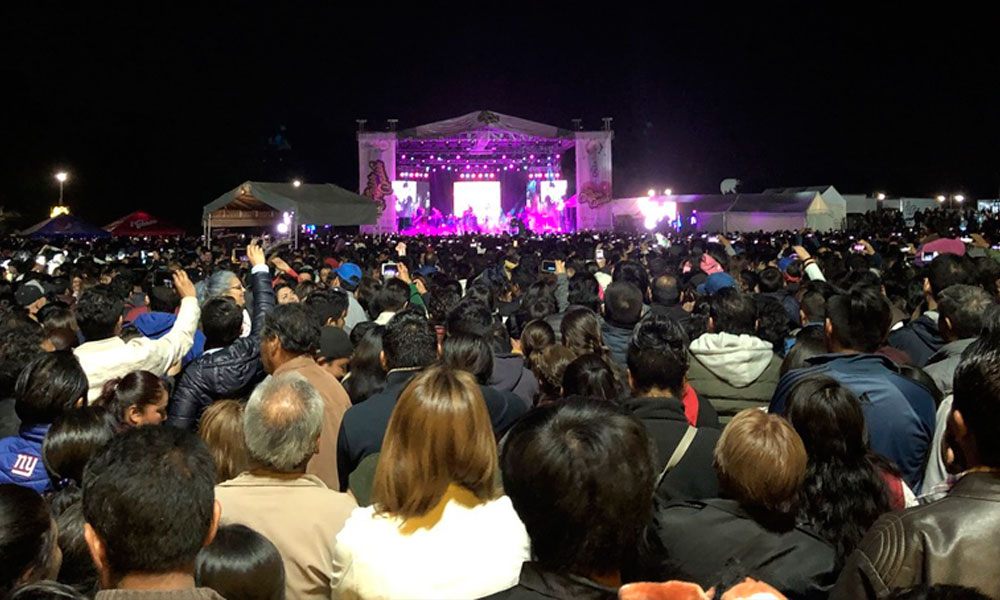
x,y
733,372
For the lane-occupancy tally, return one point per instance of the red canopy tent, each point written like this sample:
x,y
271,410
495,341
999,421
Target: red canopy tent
x,y
141,223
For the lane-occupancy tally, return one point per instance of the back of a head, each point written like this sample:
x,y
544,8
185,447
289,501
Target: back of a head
x,y
217,284
657,355
976,395
633,272
584,290
439,434
580,475
666,290
327,305
294,327
813,300
241,563
809,342
73,438
860,319
732,312
761,463
591,377
536,336
49,386
771,280
149,496
947,270
19,344
963,306
471,317
392,297
409,341
221,427
469,353
828,419
282,421
97,313
623,303
549,366
163,299
27,537
221,321
580,329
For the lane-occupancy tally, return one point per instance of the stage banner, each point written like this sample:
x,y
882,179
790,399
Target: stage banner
x,y
376,172
593,179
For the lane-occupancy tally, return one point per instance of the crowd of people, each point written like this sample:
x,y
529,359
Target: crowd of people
x,y
593,415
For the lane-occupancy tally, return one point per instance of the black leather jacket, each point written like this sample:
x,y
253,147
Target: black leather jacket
x,y
951,541
229,373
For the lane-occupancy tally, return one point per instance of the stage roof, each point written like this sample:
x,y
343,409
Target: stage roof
x,y
484,120
255,203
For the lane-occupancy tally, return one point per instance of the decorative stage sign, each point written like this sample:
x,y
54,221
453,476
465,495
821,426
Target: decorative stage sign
x,y
377,171
593,179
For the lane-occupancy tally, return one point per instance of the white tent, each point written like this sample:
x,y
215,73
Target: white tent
x,y
766,212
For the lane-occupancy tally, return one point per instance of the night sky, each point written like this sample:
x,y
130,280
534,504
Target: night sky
x,y
162,108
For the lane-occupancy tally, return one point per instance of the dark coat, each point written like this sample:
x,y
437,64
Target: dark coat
x,y
952,541
694,477
920,339
709,542
232,372
510,374
364,424
538,583
616,339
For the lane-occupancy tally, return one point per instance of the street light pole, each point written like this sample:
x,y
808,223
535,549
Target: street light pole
x,y
61,176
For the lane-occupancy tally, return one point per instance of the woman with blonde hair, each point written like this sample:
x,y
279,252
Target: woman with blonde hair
x,y
221,427
439,526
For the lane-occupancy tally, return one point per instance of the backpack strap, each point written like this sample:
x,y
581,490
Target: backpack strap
x,y
679,452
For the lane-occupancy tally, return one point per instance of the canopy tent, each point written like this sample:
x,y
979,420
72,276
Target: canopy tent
x,y
766,212
64,226
260,204
141,223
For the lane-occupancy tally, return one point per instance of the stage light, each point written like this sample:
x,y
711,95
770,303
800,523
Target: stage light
x,y
651,192
296,183
668,192
62,176
282,228
880,196
959,198
941,198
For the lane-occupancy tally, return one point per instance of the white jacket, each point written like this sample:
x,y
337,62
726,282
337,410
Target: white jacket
x,y
470,552
109,358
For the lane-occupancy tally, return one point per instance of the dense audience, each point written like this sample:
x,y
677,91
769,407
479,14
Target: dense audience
x,y
613,415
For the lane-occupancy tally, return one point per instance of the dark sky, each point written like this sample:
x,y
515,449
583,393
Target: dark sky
x,y
154,107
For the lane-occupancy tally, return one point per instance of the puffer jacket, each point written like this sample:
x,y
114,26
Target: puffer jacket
x,y
616,339
951,541
733,372
231,372
21,459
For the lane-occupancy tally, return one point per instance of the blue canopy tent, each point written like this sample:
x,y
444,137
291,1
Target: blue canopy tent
x,y
64,226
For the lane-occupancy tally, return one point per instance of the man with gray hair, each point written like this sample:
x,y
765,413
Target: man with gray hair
x,y
960,319
276,497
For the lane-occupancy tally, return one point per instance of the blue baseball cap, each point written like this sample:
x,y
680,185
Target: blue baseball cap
x,y
783,263
349,273
716,282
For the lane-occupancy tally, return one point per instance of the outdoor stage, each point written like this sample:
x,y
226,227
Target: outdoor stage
x,y
486,172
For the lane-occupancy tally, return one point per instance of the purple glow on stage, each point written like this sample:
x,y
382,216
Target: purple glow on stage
x,y
482,198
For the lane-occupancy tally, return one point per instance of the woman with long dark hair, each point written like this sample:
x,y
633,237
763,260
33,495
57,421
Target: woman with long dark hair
x,y
366,376
845,489
137,399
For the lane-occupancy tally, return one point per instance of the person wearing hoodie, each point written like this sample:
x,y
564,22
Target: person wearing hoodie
x,y
622,310
163,305
921,337
899,411
510,373
730,367
230,366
